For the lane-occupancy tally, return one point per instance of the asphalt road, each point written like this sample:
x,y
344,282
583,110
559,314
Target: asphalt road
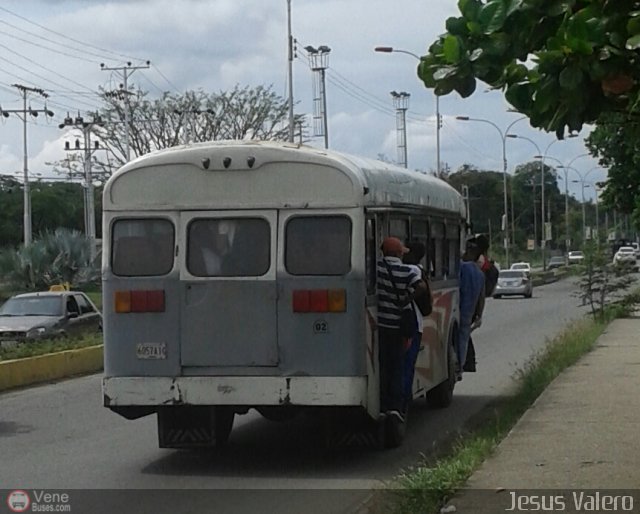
x,y
58,436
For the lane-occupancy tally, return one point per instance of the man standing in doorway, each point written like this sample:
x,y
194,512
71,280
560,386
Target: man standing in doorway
x,y
472,296
397,285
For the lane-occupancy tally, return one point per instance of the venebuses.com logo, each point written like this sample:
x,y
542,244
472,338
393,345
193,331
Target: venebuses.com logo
x,y
18,501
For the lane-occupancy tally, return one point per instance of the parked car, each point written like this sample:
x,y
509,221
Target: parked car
x,y
575,257
625,255
521,266
34,316
556,262
513,282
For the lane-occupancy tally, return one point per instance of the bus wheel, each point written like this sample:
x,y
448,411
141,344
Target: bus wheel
x,y
222,424
441,396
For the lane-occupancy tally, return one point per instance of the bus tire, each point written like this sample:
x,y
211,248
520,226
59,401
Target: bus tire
x,y
222,424
441,396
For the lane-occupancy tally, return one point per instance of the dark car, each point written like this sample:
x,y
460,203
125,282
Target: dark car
x,y
33,316
556,262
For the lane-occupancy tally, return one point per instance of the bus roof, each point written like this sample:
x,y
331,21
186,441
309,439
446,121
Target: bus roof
x,y
268,174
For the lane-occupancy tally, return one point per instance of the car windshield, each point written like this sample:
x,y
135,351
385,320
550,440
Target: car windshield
x,y
520,266
511,274
32,306
626,249
575,254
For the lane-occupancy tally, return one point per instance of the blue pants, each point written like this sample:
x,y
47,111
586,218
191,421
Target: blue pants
x,y
464,332
410,357
391,358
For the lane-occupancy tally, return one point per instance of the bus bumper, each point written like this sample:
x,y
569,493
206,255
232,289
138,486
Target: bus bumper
x,y
246,391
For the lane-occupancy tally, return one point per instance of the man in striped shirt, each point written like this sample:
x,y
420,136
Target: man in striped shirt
x,y
395,293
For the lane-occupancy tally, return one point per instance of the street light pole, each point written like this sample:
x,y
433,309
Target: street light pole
x,y
504,174
319,60
515,136
390,49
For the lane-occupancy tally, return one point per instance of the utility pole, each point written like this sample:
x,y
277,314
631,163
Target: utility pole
x,y
126,71
290,59
22,114
89,200
319,61
401,104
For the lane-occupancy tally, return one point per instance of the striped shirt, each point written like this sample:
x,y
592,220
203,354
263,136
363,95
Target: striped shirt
x,y
405,278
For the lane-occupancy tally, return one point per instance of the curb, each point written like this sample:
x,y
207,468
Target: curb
x,y
53,366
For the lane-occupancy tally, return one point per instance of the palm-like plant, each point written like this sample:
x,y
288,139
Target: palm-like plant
x,y
59,256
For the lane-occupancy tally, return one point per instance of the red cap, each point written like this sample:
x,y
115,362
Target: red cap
x,y
393,245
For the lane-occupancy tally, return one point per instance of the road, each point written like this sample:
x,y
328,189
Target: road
x,y
58,436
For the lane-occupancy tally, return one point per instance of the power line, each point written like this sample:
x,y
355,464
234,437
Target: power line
x,y
48,40
45,68
64,36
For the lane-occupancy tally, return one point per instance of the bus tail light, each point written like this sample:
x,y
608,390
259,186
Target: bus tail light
x,y
123,301
337,300
139,301
319,300
301,301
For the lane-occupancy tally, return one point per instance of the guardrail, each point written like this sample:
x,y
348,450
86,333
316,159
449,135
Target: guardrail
x,y
547,277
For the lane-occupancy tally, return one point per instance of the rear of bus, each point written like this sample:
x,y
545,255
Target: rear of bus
x,y
232,286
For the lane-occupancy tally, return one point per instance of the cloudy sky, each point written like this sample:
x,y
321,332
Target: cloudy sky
x,y
58,45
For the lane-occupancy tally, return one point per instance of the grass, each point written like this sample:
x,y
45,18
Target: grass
x,y
33,348
427,488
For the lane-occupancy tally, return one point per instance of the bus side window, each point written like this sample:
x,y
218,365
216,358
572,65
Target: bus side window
x,y
420,233
437,251
399,227
453,245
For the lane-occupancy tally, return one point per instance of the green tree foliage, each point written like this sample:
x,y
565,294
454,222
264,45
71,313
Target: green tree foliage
x,y
616,141
563,63
541,52
58,256
53,205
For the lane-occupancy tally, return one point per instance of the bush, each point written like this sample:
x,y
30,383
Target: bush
x,y
60,256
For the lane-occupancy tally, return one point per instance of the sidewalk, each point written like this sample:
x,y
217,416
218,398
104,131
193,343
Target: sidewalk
x,y
583,432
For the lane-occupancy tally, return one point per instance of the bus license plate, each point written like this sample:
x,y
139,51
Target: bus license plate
x,y
151,351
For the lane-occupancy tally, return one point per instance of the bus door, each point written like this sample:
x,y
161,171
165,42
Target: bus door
x,y
229,289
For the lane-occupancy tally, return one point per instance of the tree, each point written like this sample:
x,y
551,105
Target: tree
x,y
486,196
541,52
53,205
616,141
241,113
563,63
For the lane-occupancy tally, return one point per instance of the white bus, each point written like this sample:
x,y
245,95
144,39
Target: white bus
x,y
242,274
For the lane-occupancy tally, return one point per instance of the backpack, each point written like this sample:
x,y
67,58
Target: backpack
x,y
424,301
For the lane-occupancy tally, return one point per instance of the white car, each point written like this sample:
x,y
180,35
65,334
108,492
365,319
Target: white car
x,y
575,257
521,266
625,254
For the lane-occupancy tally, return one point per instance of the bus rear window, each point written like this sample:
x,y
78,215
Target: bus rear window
x,y
318,245
229,247
142,247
